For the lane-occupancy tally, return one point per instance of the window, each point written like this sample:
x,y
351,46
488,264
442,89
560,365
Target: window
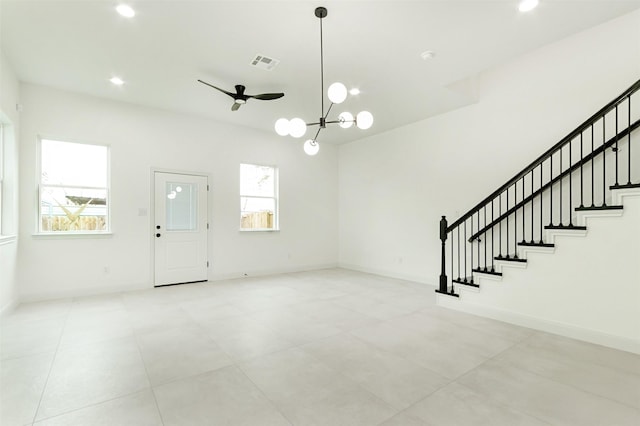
x,y
258,198
74,188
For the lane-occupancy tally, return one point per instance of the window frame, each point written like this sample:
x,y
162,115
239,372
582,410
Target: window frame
x,y
8,182
275,198
40,185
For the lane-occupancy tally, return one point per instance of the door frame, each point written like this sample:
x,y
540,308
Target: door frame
x,y
152,216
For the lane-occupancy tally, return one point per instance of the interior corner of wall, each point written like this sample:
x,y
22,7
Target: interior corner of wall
x,y
467,88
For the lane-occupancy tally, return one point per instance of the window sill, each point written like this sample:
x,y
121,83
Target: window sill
x,y
258,230
72,235
7,239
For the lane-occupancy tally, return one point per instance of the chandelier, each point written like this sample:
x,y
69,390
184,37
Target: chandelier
x,y
336,93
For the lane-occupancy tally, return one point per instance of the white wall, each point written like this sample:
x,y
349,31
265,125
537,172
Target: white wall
x,y
9,95
394,187
142,139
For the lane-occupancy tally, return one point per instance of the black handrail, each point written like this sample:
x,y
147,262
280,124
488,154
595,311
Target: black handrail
x,y
556,179
548,153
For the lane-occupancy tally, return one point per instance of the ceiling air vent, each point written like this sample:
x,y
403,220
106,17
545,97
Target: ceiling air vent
x,y
264,62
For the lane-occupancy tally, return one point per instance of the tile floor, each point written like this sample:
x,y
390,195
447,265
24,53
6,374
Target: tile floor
x,y
331,347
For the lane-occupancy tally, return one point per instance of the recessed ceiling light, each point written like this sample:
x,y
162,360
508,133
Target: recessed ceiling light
x,y
355,91
126,10
117,81
527,5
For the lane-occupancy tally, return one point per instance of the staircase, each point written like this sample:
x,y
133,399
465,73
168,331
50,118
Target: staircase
x,y
587,174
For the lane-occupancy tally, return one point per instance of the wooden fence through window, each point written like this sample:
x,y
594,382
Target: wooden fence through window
x,y
257,220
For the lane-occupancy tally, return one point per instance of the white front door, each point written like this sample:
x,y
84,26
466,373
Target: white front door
x,y
180,231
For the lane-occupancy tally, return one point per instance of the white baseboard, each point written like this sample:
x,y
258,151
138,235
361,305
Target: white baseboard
x,y
549,326
385,273
267,272
110,289
9,307
83,292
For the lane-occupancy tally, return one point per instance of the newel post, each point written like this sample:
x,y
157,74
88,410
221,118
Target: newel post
x,y
443,238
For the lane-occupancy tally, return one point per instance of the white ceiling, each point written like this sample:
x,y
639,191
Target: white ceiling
x,y
372,45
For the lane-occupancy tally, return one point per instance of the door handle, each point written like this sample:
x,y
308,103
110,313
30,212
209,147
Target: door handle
x,y
158,235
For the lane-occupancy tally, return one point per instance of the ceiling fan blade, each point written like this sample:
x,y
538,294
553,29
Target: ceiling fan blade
x,y
233,95
267,96
235,106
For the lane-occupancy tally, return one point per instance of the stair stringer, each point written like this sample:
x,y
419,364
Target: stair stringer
x,y
588,288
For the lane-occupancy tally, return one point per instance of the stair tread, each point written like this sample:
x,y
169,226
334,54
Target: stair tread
x,y
534,244
624,186
596,208
488,272
567,227
511,259
447,293
469,281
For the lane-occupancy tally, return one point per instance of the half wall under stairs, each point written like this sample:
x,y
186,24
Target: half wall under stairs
x,y
586,287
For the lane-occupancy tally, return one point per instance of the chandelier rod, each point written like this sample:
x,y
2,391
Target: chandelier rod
x,y
321,70
321,15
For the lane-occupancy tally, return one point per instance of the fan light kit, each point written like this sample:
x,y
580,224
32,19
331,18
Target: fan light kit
x,y
336,93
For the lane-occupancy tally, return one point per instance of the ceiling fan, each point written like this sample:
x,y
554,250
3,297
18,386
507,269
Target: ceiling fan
x,y
240,98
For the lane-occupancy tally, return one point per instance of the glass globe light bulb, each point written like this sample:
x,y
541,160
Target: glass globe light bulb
x,y
346,120
297,127
337,93
282,127
311,147
364,120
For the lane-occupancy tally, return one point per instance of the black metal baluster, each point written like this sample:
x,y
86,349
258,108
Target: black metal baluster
x,y
604,164
523,206
499,227
592,170
465,251
532,176
570,185
471,244
507,241
452,258
458,228
616,148
560,200
629,142
485,237
541,192
492,236
479,245
551,191
581,177
515,220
